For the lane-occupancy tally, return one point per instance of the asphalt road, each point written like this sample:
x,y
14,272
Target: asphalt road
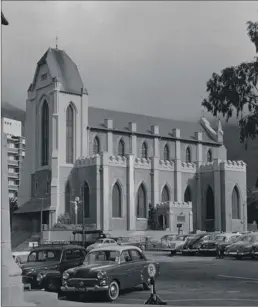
x,y
192,281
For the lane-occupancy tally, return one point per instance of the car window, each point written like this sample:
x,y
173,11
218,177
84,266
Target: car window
x,y
100,241
71,254
112,241
136,255
102,256
44,255
125,256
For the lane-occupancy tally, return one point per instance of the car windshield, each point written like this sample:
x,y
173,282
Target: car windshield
x,y
44,255
250,239
180,238
100,241
221,238
102,256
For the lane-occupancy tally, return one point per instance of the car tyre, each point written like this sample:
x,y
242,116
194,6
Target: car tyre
x,y
113,291
51,286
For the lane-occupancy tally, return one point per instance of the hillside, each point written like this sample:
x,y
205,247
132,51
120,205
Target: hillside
x,y
236,151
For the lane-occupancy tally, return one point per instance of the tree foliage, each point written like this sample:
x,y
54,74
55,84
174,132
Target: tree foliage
x,y
235,92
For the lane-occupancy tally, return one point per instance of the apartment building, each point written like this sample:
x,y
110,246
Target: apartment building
x,y
16,152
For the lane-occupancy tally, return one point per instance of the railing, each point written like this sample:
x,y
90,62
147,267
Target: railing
x,y
13,150
13,175
13,187
13,162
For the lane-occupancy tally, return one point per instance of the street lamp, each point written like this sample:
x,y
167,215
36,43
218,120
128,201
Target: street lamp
x,y
76,203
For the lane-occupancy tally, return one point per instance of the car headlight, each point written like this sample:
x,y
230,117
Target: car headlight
x,y
101,274
65,275
40,277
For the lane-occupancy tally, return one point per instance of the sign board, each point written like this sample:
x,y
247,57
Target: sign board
x,y
151,270
33,244
179,225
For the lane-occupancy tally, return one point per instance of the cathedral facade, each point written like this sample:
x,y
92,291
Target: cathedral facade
x,y
119,164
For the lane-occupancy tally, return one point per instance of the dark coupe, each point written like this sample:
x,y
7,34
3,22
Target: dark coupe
x,y
242,247
45,265
255,251
192,245
108,270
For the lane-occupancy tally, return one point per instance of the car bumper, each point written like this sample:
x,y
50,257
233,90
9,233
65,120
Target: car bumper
x,y
237,253
86,289
255,253
207,250
194,250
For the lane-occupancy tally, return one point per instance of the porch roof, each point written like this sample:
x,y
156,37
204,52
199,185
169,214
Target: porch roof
x,y
34,205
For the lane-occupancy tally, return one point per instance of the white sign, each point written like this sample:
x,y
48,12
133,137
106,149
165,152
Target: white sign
x,y
151,270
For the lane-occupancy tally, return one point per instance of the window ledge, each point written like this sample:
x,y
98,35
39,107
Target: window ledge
x,y
117,218
141,219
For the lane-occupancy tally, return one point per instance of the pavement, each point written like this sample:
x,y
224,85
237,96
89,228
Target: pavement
x,y
184,281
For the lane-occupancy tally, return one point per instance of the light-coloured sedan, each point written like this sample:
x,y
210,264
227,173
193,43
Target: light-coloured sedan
x,y
101,243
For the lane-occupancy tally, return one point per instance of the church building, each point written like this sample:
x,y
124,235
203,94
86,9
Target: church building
x,y
119,164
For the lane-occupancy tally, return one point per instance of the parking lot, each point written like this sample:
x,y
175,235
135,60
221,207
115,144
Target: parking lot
x,y
188,281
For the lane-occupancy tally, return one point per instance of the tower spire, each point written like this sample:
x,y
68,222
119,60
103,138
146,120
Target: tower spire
x,y
56,42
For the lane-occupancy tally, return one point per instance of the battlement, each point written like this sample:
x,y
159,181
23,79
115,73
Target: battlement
x,y
188,167
142,163
207,166
86,161
117,160
167,165
233,165
174,204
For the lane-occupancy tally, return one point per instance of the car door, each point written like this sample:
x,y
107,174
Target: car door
x,y
70,259
126,269
137,266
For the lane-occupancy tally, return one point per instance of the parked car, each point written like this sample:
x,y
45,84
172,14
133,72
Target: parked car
x,y
100,243
108,270
193,243
46,263
176,245
20,257
255,250
220,241
140,241
167,239
242,247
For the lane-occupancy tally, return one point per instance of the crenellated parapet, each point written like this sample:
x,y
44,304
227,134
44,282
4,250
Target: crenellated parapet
x,y
166,165
169,206
188,167
207,166
142,163
86,161
117,161
177,204
233,165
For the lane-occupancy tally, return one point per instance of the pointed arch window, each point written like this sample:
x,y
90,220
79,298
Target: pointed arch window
x,y
209,156
69,134
121,148
187,195
86,200
165,196
144,151
235,204
116,201
188,157
67,198
141,202
210,208
96,146
166,153
45,134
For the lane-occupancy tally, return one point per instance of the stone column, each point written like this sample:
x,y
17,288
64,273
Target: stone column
x,y
105,190
190,221
12,286
217,194
133,139
178,175
155,132
155,193
109,125
131,214
172,222
99,193
197,211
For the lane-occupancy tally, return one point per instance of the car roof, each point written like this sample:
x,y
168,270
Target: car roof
x,y
56,247
20,253
119,248
228,234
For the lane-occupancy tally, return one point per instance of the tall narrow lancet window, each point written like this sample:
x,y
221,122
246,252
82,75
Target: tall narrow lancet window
x,y
210,207
96,146
166,153
116,201
144,151
45,134
69,135
188,157
86,199
121,148
67,198
165,196
141,202
209,156
187,195
235,204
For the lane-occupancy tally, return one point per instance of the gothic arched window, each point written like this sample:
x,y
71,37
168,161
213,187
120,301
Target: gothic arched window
x,y
210,208
67,198
144,151
96,146
187,195
69,134
121,148
45,134
209,156
141,202
235,204
86,200
116,201
165,196
188,155
166,153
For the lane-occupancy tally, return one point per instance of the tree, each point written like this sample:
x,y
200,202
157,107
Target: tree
x,y
235,92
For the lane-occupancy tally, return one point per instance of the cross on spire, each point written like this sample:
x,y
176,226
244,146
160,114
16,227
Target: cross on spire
x,y
56,42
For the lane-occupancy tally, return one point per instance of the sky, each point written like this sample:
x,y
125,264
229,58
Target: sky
x,y
151,58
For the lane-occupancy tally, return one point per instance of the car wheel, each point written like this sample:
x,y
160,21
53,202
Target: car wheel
x,y
51,286
113,291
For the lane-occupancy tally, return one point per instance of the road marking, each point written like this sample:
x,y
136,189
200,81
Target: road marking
x,y
196,299
239,277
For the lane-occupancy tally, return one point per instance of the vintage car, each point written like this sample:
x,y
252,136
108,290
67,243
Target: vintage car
x,y
220,241
140,241
20,257
167,239
193,243
255,251
176,245
243,246
100,243
46,264
108,270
